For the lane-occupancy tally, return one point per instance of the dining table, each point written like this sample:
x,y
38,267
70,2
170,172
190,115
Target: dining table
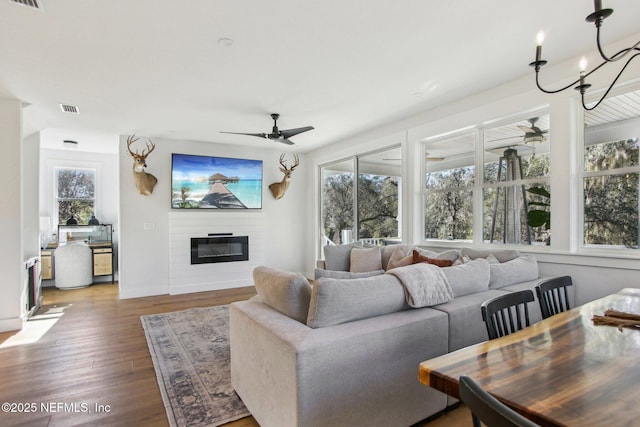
x,y
562,371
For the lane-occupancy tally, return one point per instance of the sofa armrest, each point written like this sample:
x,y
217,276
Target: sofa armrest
x,y
289,375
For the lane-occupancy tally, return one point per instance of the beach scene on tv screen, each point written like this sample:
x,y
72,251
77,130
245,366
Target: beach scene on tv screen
x,y
204,182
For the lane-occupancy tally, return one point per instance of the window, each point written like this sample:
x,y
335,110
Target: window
x,y
449,188
510,192
611,173
75,194
516,191
366,209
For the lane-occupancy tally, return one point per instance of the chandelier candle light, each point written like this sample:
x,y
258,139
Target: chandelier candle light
x,y
596,17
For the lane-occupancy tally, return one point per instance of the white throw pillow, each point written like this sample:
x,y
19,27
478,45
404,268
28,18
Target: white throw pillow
x,y
365,259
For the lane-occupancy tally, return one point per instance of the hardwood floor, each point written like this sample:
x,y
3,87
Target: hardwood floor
x,y
83,360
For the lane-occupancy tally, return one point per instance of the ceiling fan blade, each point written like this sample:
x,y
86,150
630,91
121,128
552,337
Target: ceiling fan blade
x,y
284,141
259,135
526,129
288,133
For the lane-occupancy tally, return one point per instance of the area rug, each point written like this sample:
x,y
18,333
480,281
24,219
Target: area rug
x,y
191,357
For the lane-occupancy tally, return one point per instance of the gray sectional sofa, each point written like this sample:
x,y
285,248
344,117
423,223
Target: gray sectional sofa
x,y
345,351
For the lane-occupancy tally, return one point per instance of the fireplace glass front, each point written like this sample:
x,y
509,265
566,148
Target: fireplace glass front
x,y
206,250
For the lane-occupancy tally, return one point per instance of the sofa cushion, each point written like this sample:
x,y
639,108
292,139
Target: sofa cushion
x,y
336,301
417,258
289,293
468,278
365,259
338,257
503,255
318,273
517,270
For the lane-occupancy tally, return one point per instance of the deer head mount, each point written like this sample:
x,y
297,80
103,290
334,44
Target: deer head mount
x,y
279,188
144,181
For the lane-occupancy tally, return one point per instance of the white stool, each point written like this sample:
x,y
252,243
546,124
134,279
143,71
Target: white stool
x,y
74,266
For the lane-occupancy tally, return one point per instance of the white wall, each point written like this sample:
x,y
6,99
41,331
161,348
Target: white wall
x,y
11,222
145,220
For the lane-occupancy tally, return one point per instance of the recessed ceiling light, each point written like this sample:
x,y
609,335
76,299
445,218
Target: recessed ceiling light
x,y
225,42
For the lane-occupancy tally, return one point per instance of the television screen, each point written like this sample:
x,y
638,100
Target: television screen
x,y
206,182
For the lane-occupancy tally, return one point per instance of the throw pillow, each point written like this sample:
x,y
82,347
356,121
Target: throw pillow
x,y
439,262
401,257
318,273
452,254
365,259
337,257
515,271
491,259
289,293
468,278
336,301
503,255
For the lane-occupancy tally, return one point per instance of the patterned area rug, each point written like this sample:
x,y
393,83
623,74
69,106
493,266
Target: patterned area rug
x,y
191,356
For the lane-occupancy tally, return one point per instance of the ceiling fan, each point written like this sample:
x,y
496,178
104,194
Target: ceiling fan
x,y
276,134
533,134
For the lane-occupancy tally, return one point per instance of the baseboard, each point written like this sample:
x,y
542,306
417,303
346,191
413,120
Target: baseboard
x,y
13,324
204,287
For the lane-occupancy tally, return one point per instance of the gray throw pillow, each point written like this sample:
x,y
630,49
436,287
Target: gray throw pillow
x,y
331,274
517,270
450,255
289,293
468,278
336,301
338,257
503,255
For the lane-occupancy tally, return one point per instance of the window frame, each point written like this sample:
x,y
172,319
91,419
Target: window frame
x,y
57,165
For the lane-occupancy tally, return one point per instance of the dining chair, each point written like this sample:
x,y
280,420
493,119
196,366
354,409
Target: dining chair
x,y
507,313
553,296
486,408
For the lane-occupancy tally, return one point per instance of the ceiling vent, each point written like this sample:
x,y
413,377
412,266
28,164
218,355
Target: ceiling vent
x,y
70,109
29,3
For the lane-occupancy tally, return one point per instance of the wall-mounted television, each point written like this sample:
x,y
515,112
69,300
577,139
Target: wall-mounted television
x,y
207,182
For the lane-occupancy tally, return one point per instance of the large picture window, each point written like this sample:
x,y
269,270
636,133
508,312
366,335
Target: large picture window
x,y
508,189
367,208
611,174
75,194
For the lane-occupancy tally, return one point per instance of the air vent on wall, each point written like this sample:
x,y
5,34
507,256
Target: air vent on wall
x,y
29,3
70,109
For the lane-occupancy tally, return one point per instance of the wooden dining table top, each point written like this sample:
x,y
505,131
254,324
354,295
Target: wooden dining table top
x,y
562,371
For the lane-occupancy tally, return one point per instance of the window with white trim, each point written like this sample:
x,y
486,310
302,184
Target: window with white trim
x,y
611,174
499,174
75,194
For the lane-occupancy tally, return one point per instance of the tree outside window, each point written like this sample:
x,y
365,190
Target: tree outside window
x,y
75,194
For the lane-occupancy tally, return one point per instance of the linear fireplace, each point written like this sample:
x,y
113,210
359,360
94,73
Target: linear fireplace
x,y
219,248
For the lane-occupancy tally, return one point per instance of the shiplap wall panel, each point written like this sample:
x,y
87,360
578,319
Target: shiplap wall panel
x,y
185,277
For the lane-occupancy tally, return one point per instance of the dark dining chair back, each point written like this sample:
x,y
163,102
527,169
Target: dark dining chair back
x,y
506,314
553,295
486,408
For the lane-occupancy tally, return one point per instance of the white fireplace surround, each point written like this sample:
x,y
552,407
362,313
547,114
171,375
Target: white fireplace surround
x,y
185,277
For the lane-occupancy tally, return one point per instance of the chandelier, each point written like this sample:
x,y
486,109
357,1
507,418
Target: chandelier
x,y
596,17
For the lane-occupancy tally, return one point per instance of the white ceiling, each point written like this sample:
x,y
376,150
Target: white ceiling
x,y
155,67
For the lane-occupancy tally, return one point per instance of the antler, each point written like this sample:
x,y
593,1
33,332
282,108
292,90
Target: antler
x,y
131,139
284,165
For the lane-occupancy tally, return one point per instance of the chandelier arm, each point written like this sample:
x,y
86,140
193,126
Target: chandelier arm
x,y
610,86
619,55
556,90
